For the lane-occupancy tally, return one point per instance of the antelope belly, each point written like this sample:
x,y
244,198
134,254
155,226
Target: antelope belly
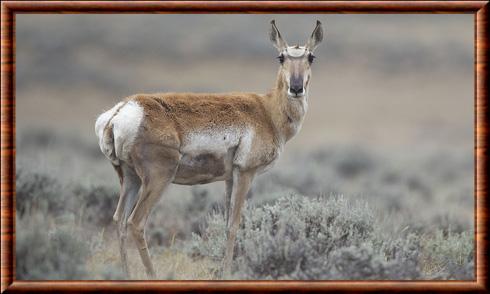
x,y
202,168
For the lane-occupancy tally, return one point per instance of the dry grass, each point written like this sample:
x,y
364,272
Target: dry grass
x,y
170,264
445,254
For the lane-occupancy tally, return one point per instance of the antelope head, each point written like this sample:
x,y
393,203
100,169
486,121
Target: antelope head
x,y
295,70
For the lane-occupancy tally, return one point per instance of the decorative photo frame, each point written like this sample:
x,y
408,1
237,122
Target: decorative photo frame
x,y
9,10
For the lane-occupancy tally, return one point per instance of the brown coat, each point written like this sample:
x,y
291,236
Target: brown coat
x,y
214,132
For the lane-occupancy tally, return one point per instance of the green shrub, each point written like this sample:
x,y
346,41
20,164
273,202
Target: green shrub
x,y
281,237
449,255
43,254
331,238
38,191
96,204
300,238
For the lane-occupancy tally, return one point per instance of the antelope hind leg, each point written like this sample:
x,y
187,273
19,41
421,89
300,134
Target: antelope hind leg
x,y
156,171
130,185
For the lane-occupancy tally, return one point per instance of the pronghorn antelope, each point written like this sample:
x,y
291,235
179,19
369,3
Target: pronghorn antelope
x,y
153,140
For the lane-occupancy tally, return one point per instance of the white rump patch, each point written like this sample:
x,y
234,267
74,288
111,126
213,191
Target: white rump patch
x,y
102,120
295,51
125,122
100,125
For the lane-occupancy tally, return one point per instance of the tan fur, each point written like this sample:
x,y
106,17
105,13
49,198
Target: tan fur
x,y
188,138
170,116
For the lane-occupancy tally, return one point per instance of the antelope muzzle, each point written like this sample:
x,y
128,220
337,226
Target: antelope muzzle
x,y
296,88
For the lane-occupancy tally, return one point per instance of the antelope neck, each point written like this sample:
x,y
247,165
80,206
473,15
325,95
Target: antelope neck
x,y
286,113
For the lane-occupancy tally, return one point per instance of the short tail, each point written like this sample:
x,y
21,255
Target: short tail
x,y
108,146
105,131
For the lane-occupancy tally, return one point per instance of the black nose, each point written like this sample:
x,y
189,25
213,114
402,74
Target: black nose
x,y
296,85
296,89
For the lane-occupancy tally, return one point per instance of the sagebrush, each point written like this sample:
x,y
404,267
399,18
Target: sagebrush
x,y
391,222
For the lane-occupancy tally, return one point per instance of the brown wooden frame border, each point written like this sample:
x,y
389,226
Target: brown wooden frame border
x,y
9,9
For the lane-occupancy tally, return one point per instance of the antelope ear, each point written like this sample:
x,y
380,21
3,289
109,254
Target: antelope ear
x,y
276,38
316,37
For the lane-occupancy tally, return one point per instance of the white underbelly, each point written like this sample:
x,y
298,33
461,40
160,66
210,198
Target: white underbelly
x,y
207,156
204,168
216,141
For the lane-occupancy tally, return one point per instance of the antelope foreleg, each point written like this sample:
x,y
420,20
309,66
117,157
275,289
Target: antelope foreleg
x,y
242,181
229,188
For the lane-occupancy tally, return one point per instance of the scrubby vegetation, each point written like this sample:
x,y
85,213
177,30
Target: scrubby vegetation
x,y
334,213
52,242
330,238
44,252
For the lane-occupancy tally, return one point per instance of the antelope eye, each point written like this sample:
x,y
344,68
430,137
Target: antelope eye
x,y
311,57
281,58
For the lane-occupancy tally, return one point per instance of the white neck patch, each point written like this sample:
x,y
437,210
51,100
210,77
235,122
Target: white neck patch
x,y
296,51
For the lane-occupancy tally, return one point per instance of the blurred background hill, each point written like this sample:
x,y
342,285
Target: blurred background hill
x,y
378,79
